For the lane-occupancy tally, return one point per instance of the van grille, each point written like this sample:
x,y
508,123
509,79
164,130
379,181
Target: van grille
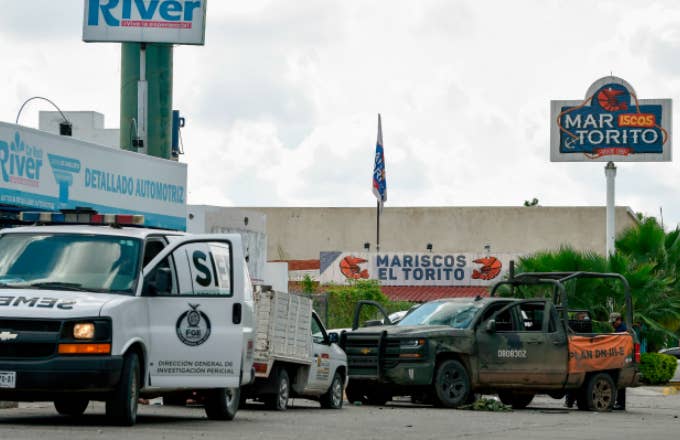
x,y
35,339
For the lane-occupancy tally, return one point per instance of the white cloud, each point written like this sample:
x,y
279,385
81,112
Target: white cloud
x,y
281,103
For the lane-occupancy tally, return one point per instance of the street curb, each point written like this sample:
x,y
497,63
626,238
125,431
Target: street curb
x,y
671,388
7,405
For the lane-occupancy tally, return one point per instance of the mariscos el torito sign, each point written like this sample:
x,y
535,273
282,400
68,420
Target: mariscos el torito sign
x,y
610,124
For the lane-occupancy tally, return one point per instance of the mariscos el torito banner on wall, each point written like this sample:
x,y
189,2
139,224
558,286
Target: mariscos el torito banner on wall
x,y
414,269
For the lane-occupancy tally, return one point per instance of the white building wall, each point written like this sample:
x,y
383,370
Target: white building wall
x,y
301,233
87,126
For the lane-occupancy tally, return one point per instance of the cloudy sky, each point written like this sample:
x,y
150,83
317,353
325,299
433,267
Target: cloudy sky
x,y
282,101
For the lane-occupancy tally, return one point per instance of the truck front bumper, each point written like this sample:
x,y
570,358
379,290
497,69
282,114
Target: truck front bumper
x,y
409,373
36,380
403,373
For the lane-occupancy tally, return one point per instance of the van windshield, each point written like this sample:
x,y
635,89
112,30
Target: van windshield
x,y
80,262
454,314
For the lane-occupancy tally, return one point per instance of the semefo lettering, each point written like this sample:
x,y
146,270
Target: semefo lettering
x,y
38,302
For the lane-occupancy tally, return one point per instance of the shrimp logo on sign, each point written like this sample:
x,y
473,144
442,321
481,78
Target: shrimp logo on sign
x,y
349,266
193,326
491,268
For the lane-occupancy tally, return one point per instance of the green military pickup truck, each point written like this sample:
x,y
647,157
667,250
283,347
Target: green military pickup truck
x,y
447,351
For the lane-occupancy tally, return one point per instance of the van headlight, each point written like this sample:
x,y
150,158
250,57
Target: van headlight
x,y
83,330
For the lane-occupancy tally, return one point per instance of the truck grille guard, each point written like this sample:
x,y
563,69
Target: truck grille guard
x,y
366,354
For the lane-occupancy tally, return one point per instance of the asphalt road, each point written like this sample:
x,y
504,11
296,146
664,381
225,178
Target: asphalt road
x,y
653,413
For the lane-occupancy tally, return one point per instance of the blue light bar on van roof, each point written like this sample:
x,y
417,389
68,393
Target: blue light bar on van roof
x,y
84,218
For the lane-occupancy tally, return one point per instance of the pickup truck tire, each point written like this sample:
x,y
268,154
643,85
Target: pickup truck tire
x,y
279,400
121,406
366,393
71,406
377,397
515,400
452,384
598,394
354,393
332,399
222,403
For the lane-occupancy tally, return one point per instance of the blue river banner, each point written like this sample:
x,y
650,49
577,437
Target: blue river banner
x,y
44,171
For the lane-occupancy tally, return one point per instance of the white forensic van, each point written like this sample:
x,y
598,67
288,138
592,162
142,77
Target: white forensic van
x,y
294,355
114,313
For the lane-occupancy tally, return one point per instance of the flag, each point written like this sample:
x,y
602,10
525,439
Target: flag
x,y
379,180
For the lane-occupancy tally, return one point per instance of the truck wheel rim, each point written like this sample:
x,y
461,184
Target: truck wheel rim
x,y
453,384
602,395
230,398
283,394
337,392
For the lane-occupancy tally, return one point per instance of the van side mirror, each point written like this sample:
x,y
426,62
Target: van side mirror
x,y
372,323
491,326
333,338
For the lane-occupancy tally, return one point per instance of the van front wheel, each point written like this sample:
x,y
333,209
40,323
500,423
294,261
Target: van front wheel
x,y
121,407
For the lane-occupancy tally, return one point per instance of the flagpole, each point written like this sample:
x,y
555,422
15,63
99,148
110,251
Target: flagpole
x,y
379,183
377,230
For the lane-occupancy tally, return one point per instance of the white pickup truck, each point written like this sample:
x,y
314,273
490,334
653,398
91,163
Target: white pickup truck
x,y
294,356
116,313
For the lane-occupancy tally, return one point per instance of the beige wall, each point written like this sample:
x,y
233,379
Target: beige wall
x,y
301,233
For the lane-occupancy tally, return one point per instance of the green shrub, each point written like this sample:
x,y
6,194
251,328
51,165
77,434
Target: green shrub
x,y
657,368
341,301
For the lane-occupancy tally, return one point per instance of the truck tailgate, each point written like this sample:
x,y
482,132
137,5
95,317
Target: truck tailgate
x,y
610,351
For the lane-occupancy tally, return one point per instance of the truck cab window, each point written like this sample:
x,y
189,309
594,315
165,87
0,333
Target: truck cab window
x,y
531,316
318,335
504,321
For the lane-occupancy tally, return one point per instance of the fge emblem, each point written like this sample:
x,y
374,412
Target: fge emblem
x,y
193,326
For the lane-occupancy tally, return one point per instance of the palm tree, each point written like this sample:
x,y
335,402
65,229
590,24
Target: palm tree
x,y
655,255
648,258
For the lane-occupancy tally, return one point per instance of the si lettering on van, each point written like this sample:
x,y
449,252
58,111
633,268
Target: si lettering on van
x,y
45,303
212,269
151,14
